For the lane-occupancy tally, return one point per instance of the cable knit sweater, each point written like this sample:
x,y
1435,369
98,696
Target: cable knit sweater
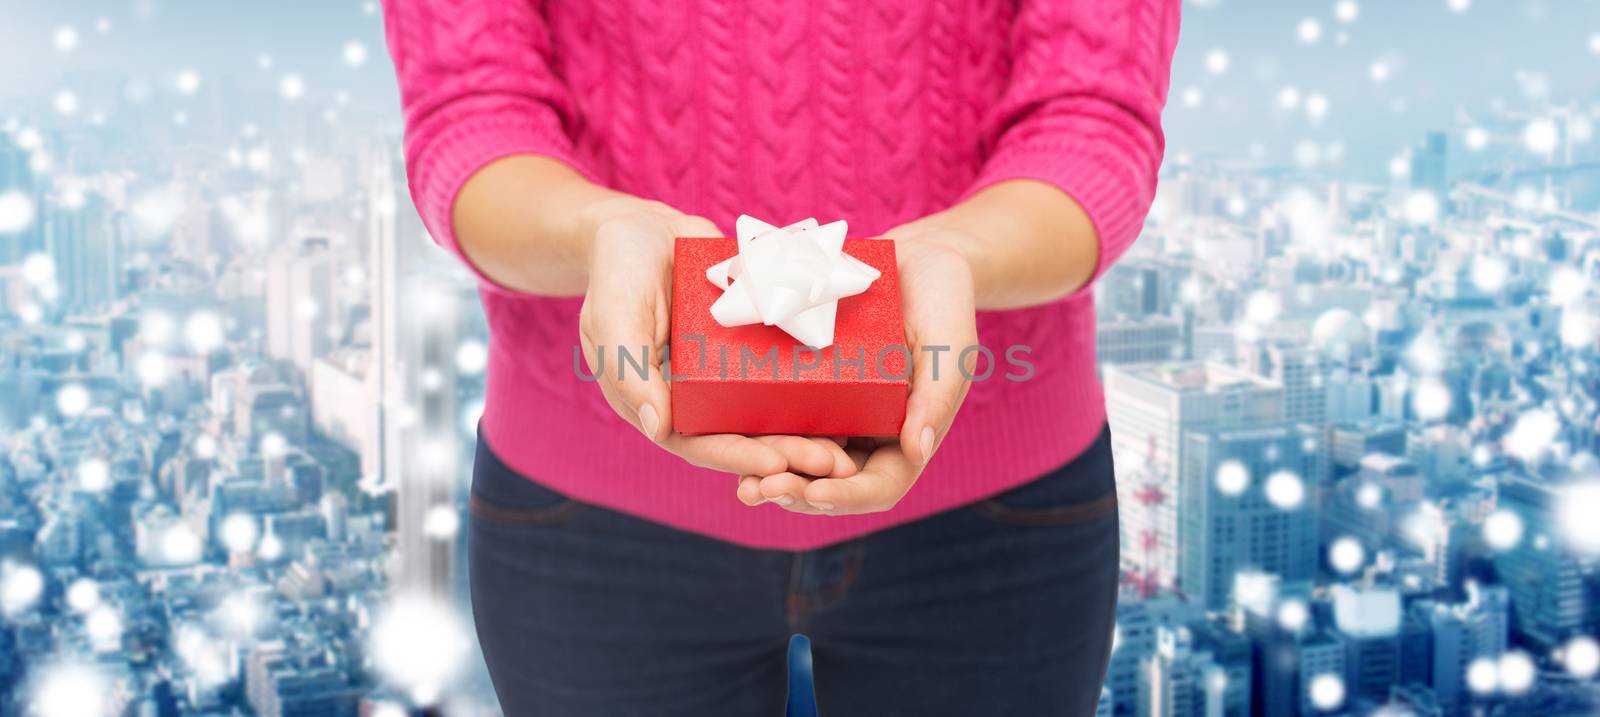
x,y
873,111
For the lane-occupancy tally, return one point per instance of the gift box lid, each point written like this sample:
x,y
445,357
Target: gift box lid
x,y
814,395
868,325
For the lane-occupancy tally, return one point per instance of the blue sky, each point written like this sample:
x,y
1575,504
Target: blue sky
x,y
1444,63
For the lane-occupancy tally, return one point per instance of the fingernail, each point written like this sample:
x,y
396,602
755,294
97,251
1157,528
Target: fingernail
x,y
927,443
822,506
648,420
782,500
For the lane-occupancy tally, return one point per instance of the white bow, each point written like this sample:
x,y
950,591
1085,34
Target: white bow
x,y
792,278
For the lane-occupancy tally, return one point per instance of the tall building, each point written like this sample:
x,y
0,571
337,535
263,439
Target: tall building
x,y
1150,407
86,244
384,266
429,434
417,323
1274,662
1300,370
300,302
343,404
1230,650
1139,622
1318,384
1228,524
1462,633
1180,681
1369,621
1319,653
1550,600
1428,164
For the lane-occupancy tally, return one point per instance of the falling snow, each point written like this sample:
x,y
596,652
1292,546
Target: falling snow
x,y
1346,555
1575,514
1346,11
1327,692
1541,136
16,212
1309,31
66,38
355,54
187,81
1232,477
1285,490
1502,529
292,87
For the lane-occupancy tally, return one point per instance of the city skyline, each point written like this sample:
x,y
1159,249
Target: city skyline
x,y
1350,370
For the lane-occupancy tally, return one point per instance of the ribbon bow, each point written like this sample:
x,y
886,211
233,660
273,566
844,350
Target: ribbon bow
x,y
792,278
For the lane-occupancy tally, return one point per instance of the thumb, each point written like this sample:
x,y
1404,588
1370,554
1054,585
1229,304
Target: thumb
x,y
938,386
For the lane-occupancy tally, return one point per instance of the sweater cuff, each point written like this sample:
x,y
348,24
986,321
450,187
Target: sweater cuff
x,y
1115,199
445,165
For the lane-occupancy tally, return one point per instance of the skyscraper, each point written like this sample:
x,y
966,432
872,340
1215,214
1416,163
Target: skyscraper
x,y
427,433
86,245
1428,164
1139,623
1181,681
300,301
1319,654
1550,600
1369,621
417,320
1462,633
1150,407
1229,523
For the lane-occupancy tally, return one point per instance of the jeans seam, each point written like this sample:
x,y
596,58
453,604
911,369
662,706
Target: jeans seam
x,y
792,598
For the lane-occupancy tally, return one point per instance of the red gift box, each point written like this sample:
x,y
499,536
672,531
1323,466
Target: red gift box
x,y
758,379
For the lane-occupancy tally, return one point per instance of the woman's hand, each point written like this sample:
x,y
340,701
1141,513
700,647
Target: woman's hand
x,y
627,306
937,300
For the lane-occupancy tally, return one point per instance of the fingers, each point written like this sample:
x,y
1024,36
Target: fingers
x,y
750,491
728,452
806,457
784,490
623,324
932,405
812,456
885,478
788,491
937,295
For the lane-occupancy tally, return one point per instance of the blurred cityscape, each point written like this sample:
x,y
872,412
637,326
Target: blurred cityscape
x,y
1356,414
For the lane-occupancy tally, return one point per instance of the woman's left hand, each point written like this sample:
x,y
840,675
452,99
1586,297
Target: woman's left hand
x,y
937,300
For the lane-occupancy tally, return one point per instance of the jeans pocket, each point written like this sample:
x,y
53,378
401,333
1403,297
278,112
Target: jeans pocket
x,y
1081,491
502,495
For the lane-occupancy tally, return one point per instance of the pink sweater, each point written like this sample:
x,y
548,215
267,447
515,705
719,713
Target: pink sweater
x,y
873,111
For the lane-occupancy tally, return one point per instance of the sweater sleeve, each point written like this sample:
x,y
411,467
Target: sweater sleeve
x,y
477,84
1082,109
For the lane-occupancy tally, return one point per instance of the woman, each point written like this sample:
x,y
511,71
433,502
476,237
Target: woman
x,y
1010,148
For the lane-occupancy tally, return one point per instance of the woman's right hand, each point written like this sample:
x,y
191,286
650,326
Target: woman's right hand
x,y
628,304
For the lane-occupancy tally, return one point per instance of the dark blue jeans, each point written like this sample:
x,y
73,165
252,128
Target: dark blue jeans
x,y
1002,607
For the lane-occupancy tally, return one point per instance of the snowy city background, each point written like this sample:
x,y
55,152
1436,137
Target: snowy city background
x,y
1351,370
